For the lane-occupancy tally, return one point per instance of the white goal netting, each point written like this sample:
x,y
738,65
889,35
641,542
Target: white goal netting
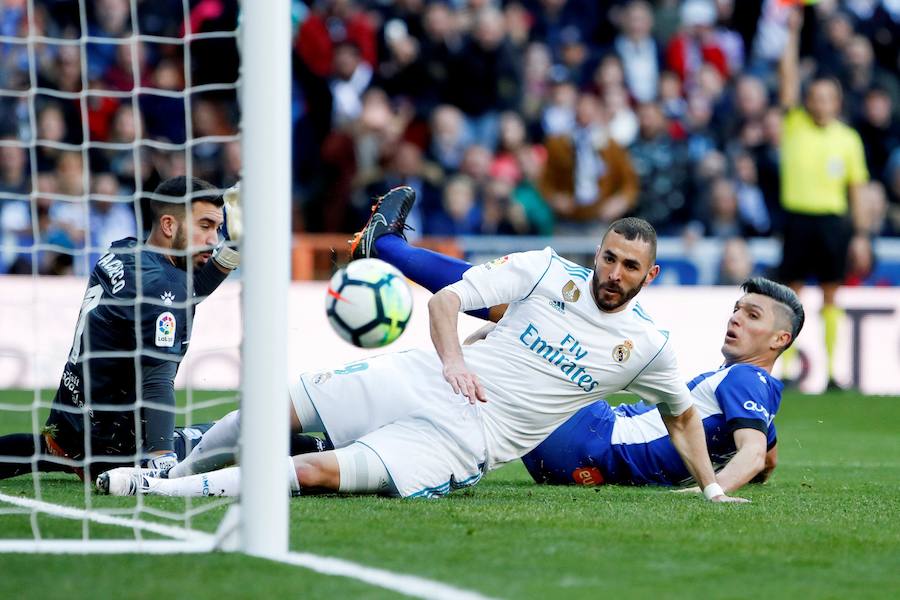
x,y
100,101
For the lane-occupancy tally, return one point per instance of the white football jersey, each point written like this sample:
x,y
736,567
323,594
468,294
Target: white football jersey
x,y
555,351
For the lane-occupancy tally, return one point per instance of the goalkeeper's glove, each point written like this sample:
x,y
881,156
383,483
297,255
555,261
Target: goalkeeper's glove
x,y
227,254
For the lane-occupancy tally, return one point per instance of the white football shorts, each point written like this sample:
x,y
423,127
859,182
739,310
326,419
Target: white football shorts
x,y
430,439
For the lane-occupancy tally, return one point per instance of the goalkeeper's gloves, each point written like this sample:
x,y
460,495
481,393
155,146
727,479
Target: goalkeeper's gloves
x,y
227,254
161,463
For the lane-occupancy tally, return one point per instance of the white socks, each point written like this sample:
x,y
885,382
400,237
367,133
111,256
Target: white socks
x,y
224,482
216,449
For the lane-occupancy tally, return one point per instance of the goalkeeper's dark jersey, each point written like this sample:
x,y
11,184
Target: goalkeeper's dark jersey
x,y
123,308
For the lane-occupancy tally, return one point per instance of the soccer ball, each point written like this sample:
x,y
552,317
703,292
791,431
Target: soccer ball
x,y
368,303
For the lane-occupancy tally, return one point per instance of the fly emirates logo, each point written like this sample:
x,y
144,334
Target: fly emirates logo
x,y
565,356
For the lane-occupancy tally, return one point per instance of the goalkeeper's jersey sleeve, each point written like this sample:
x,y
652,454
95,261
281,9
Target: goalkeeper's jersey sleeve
x,y
131,318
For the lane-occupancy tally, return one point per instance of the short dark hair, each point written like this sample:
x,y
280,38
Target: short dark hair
x,y
785,297
635,228
176,188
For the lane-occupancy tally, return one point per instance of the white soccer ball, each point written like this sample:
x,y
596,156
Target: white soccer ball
x,y
368,303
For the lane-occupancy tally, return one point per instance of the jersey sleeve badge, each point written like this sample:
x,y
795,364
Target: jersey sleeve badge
x,y
165,330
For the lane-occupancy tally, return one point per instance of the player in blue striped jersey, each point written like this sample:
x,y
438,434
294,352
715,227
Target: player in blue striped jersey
x,y
629,444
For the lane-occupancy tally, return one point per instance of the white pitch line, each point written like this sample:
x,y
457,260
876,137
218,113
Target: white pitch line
x,y
68,512
409,585
198,541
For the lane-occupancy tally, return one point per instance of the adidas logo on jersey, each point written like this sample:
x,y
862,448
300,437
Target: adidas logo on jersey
x,y
559,305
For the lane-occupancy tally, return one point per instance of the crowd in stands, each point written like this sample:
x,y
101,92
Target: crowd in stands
x,y
507,117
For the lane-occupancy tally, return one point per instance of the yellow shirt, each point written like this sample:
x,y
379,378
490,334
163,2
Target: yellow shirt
x,y
818,163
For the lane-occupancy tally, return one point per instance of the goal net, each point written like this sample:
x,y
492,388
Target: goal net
x,y
100,101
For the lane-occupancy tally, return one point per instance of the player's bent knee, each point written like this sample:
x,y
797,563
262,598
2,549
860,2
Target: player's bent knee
x,y
317,470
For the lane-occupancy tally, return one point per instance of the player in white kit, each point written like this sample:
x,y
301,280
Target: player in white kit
x,y
424,422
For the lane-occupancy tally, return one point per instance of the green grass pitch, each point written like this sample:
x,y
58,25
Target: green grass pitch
x,y
826,526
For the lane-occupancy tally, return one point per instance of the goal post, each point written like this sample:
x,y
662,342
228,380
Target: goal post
x,y
257,522
266,150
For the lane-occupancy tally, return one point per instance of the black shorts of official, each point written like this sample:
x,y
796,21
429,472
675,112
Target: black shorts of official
x,y
815,246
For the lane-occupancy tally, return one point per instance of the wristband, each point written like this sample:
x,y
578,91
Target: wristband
x,y
713,490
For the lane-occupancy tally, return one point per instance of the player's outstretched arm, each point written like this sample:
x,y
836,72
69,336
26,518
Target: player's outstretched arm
x,y
686,433
789,65
747,463
443,314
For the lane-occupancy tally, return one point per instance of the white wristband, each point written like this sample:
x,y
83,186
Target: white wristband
x,y
713,490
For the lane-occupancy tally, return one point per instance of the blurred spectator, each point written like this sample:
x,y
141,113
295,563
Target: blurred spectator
x,y
108,19
499,214
637,49
164,115
460,214
540,216
860,74
736,264
622,121
559,113
696,43
892,177
722,217
111,216
333,22
574,55
672,100
536,83
485,77
588,179
751,202
350,78
449,137
662,166
879,131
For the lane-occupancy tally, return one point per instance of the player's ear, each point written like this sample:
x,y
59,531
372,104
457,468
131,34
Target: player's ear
x,y
168,225
651,274
780,340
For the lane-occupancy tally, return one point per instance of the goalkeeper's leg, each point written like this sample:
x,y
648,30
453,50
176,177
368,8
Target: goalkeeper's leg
x,y
22,445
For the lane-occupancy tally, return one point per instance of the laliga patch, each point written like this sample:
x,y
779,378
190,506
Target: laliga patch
x,y
165,330
622,352
497,262
570,292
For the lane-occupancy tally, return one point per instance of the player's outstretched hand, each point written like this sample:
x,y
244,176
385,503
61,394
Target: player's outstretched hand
x,y
464,382
731,499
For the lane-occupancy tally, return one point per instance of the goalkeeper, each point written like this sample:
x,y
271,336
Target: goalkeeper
x,y
117,387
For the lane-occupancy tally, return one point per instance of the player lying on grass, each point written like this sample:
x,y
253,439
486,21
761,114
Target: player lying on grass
x,y
140,301
399,422
629,444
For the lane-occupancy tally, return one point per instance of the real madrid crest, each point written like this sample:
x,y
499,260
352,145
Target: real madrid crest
x,y
322,377
622,352
570,292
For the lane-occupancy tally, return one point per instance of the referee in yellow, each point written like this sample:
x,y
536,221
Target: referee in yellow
x,y
822,168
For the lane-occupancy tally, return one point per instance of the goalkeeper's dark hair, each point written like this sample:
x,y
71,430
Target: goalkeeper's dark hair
x,y
786,299
177,189
632,228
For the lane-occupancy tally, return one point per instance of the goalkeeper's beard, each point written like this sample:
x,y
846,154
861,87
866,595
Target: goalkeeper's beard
x,y
180,243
